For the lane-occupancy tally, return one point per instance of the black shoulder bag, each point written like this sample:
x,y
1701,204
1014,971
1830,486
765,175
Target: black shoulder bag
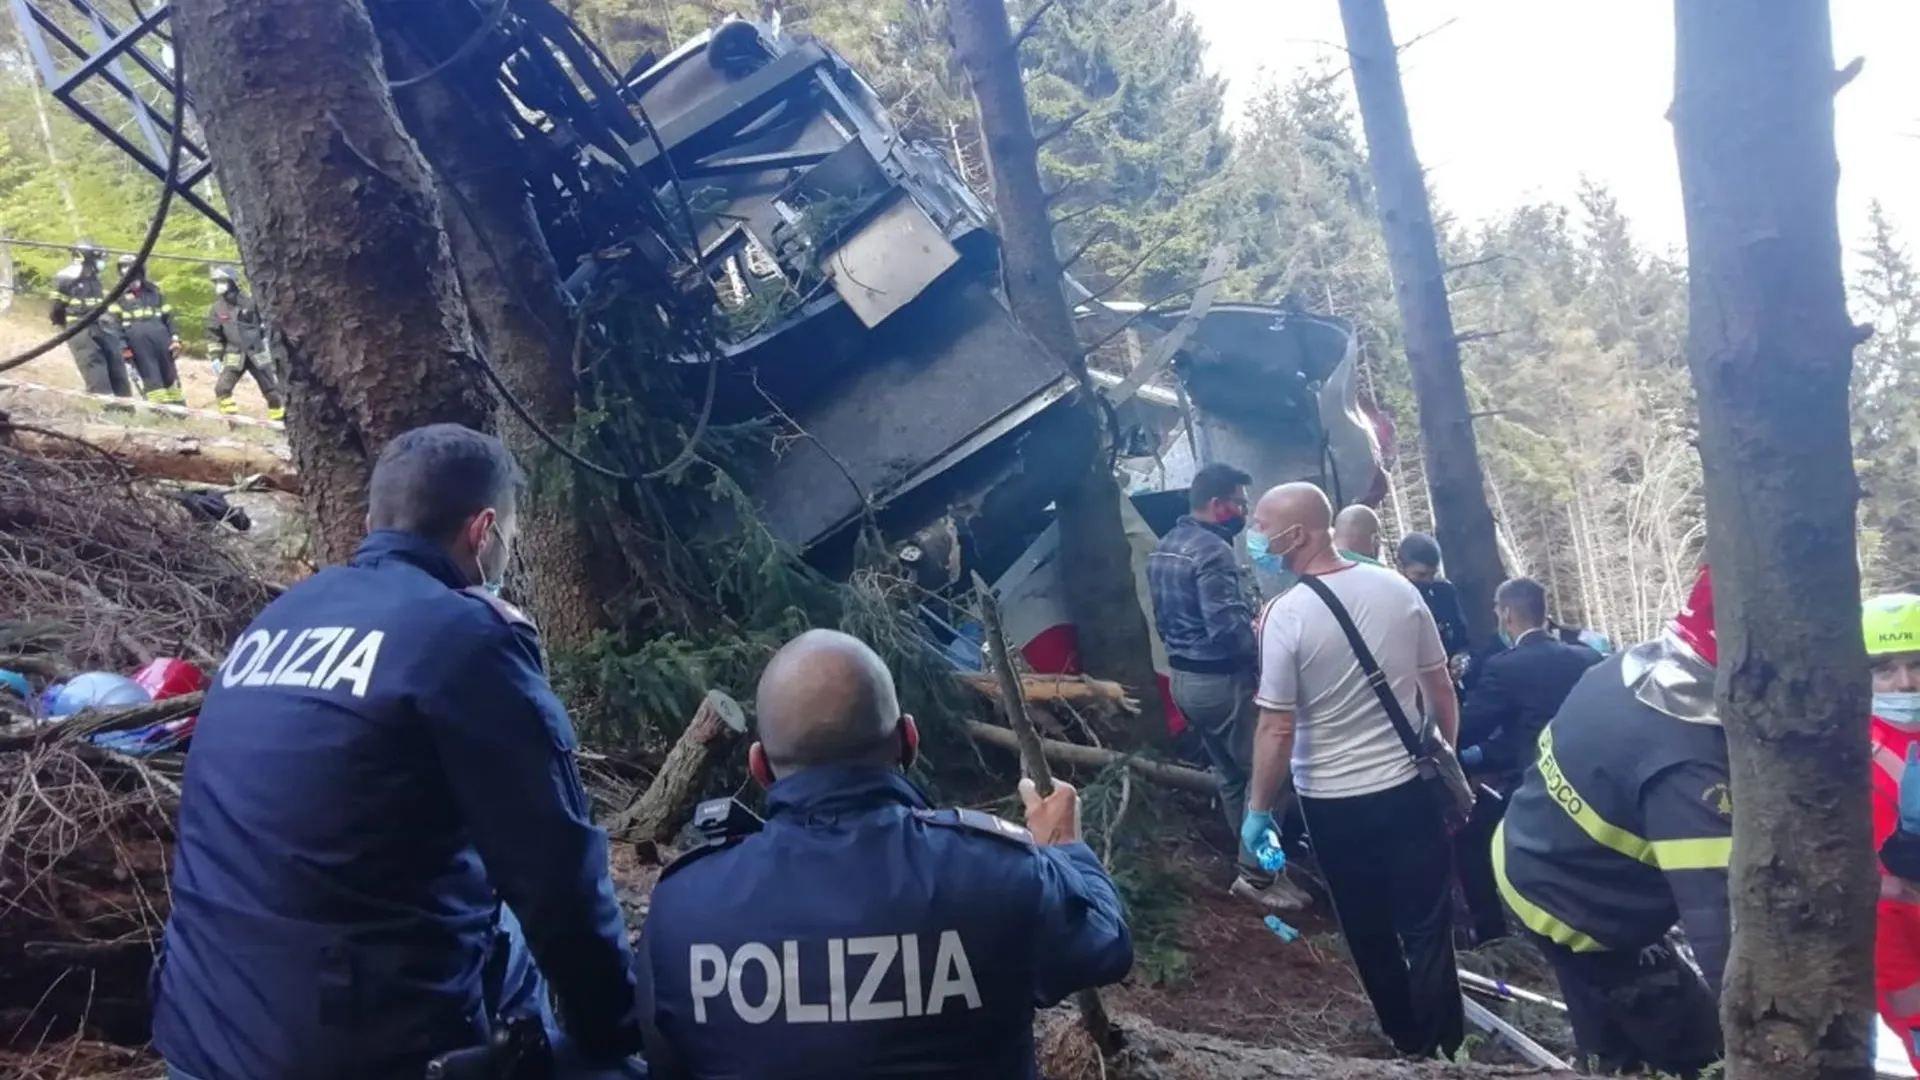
x,y
1432,757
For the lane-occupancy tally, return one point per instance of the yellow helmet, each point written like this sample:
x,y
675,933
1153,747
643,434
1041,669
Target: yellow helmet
x,y
1891,624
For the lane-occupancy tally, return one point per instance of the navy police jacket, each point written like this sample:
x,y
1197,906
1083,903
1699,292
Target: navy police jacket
x,y
861,934
379,764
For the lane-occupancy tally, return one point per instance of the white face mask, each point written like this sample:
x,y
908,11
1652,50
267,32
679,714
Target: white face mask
x,y
1898,707
493,579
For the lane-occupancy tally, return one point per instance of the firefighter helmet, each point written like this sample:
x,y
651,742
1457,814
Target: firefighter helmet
x,y
1694,624
1891,624
125,262
223,276
85,250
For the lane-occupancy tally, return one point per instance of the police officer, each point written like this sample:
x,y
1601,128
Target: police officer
x,y
381,780
235,337
146,319
1621,828
862,934
97,350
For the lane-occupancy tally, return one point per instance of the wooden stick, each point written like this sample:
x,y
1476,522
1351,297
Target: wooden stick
x,y
1178,777
1077,689
1033,762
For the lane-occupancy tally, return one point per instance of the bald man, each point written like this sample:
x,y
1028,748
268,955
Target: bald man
x,y
862,933
1376,827
1356,533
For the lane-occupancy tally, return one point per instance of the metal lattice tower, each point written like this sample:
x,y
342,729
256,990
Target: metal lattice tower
x,y
86,58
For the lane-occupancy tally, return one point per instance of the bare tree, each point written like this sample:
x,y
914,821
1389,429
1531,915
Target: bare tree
x,y
1771,351
1097,560
1461,515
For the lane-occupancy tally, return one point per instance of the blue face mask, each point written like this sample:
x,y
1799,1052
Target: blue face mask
x,y
1506,640
1900,707
1263,558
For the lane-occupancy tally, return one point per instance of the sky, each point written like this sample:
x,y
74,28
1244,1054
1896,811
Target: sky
x,y
1514,101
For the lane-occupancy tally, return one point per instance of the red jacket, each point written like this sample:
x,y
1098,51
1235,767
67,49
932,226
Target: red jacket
x,y
1896,961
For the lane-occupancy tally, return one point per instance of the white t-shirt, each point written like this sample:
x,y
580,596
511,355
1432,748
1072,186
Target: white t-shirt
x,y
1344,743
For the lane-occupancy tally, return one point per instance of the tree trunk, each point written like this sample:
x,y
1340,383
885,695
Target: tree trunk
x,y
337,218
1462,521
662,810
513,296
1771,352
1096,559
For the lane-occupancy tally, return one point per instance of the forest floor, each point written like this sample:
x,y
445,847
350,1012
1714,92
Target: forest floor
x,y
1214,993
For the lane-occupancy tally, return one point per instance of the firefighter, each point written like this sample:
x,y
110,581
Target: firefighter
x,y
1622,828
1892,627
234,339
97,349
146,320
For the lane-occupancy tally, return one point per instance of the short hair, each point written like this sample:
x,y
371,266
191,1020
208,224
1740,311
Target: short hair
x,y
1419,549
1525,597
1215,481
433,479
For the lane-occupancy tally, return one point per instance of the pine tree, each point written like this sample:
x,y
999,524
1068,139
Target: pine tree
x,y
1886,422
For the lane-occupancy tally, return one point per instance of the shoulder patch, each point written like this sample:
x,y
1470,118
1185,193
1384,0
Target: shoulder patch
x,y
979,822
1720,798
695,854
509,614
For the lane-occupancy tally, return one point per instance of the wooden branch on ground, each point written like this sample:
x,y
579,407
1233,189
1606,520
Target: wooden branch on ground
x,y
164,455
99,721
1178,777
667,805
1074,689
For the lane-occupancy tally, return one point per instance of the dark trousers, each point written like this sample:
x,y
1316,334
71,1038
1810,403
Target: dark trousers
x,y
1221,707
96,353
238,364
1387,863
1644,1010
152,347
1473,855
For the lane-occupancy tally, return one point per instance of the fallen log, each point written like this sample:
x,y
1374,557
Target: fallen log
x,y
1072,689
1092,757
166,455
98,721
662,810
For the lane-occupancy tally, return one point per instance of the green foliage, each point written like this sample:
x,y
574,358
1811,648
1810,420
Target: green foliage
x,y
1886,424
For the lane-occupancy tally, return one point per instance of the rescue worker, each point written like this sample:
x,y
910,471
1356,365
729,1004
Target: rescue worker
x,y
1621,828
98,349
235,337
1892,627
381,815
146,321
1356,534
1418,557
861,933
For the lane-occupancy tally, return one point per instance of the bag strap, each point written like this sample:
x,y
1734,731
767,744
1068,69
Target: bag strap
x,y
1368,665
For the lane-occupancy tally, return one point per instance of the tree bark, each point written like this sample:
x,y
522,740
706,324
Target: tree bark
x,y
1462,521
339,224
513,295
1771,351
1092,757
157,454
1110,625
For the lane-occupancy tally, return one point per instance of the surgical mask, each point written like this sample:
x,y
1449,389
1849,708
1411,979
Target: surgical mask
x,y
1232,526
1900,708
492,580
1263,558
1506,640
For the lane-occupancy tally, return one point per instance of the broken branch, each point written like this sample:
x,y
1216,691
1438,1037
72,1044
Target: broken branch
x,y
99,721
667,805
1178,777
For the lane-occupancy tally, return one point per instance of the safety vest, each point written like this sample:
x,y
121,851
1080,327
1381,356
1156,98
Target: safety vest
x,y
1603,816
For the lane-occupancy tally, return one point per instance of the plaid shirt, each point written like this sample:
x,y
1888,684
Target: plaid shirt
x,y
1199,605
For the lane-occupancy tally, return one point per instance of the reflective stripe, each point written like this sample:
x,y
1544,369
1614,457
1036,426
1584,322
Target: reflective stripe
x,y
1895,890
1534,917
1890,764
1599,829
1706,853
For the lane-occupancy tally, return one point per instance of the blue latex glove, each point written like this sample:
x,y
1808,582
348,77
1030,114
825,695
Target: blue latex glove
x,y
1909,793
1472,756
1254,828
